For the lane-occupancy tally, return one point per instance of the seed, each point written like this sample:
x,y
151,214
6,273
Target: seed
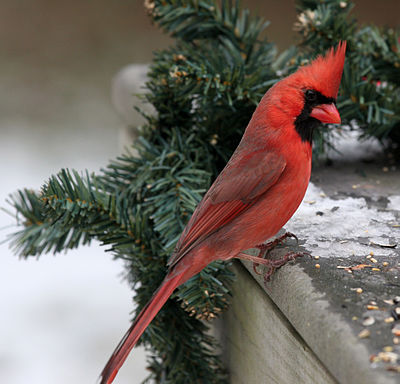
x,y
368,321
385,263
359,290
364,334
317,266
373,260
396,330
375,269
388,357
372,307
389,319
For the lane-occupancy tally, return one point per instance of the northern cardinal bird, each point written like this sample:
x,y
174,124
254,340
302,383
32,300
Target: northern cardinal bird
x,y
259,189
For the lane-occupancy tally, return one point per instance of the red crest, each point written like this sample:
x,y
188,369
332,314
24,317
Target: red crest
x,y
324,73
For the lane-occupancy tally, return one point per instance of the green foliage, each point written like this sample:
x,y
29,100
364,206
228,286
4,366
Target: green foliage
x,y
204,89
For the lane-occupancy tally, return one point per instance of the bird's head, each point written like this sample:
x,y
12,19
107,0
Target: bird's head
x,y
308,96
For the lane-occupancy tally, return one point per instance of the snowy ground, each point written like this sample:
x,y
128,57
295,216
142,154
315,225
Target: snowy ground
x,y
61,316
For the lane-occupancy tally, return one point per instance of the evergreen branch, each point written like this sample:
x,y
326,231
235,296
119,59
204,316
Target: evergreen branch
x,y
164,196
68,212
207,294
192,20
214,89
39,235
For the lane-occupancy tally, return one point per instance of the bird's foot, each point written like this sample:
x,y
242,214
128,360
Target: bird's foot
x,y
267,247
271,264
277,263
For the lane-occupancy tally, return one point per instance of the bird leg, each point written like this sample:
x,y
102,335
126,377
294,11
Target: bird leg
x,y
275,264
267,247
272,265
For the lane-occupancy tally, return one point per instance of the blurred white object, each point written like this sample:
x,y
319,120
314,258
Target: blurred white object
x,y
127,86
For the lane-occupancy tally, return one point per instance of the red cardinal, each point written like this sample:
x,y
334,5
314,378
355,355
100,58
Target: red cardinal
x,y
258,190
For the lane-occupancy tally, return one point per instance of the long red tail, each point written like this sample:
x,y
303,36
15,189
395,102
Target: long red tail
x,y
135,331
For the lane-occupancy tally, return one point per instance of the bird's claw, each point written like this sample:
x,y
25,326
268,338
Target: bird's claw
x,y
290,234
267,247
273,265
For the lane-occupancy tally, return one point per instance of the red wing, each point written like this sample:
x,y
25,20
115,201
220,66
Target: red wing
x,y
237,187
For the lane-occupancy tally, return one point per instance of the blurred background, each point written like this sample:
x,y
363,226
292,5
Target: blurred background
x,y
62,316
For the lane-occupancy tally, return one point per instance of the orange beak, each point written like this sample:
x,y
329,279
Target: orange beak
x,y
326,113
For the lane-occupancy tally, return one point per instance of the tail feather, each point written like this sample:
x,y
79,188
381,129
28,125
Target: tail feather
x,y
138,327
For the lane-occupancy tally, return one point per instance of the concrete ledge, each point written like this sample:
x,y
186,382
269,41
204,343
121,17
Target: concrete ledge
x,y
260,345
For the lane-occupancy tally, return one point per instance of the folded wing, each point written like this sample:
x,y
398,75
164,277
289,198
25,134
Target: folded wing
x,y
239,186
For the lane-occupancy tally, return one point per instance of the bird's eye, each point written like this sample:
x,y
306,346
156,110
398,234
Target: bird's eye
x,y
311,95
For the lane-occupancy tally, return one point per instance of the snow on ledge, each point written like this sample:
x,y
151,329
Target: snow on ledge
x,y
343,227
